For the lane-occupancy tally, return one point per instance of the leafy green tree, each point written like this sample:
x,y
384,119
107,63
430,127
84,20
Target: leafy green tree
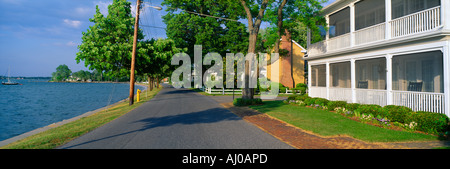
x,y
305,11
62,73
107,45
155,60
210,23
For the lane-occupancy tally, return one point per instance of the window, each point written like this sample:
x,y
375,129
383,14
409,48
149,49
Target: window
x,y
318,75
340,75
405,7
339,22
371,74
369,13
422,72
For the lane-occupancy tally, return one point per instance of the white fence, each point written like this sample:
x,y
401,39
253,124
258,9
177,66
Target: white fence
x,y
420,101
222,91
417,22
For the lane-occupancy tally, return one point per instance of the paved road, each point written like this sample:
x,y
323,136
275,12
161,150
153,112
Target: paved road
x,y
178,119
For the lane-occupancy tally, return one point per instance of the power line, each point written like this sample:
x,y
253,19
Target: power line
x,y
153,26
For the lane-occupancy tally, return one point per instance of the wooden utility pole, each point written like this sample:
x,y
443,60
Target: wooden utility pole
x,y
133,55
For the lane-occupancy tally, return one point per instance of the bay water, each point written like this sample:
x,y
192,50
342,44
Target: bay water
x,y
36,104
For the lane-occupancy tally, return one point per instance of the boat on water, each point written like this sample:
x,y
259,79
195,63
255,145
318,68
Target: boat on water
x,y
9,82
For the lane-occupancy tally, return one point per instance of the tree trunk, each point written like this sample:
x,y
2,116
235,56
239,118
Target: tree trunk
x,y
150,87
157,82
276,48
248,92
253,28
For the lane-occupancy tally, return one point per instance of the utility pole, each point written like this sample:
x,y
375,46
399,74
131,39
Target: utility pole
x,y
133,55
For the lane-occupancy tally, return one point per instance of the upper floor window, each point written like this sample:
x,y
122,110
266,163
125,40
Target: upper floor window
x,y
405,7
339,22
369,13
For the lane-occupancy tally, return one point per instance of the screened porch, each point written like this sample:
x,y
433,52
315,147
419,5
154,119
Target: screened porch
x,y
416,81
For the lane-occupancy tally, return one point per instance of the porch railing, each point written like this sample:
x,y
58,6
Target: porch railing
x,y
371,96
419,101
344,94
370,34
318,92
339,42
417,22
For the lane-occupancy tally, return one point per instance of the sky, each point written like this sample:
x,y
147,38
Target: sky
x,y
38,36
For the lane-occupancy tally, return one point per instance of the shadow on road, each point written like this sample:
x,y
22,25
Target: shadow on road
x,y
207,116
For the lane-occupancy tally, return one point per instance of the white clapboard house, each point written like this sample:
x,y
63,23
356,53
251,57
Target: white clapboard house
x,y
385,52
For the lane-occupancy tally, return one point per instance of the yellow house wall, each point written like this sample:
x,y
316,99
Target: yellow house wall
x,y
297,67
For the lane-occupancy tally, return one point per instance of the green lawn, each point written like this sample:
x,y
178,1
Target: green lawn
x,y
327,123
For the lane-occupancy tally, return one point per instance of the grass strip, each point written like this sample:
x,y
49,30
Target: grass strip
x,y
63,134
327,123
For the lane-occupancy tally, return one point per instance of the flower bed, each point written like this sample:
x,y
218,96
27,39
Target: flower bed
x,y
390,116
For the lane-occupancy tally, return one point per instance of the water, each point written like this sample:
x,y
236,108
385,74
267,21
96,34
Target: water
x,y
37,104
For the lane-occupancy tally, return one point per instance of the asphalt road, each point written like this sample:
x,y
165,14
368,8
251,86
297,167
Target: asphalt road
x,y
178,119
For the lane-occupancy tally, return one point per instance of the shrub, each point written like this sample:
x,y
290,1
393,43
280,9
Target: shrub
x,y
430,122
292,97
399,114
309,101
375,110
246,102
352,106
302,97
301,88
334,104
321,101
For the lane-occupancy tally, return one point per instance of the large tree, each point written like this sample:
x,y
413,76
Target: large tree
x,y
62,73
155,60
282,13
107,45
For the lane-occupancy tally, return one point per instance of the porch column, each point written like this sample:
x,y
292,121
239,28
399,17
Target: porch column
x,y
352,24
389,79
353,79
388,19
445,14
446,61
309,78
327,80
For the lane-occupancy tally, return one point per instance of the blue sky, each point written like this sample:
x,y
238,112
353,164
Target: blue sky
x,y
38,35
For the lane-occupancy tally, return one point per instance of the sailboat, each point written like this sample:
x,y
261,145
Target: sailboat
x,y
9,81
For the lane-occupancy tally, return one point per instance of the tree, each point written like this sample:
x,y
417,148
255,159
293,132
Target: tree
x,y
304,11
106,46
62,73
155,60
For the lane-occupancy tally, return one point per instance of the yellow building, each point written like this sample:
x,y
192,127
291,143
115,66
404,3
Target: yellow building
x,y
292,66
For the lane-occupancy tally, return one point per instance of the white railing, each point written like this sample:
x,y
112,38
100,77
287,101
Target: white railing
x,y
422,21
317,48
371,96
419,101
370,34
344,94
339,42
417,22
318,92
222,91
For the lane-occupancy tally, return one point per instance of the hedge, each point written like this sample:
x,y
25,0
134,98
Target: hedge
x,y
246,102
429,122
